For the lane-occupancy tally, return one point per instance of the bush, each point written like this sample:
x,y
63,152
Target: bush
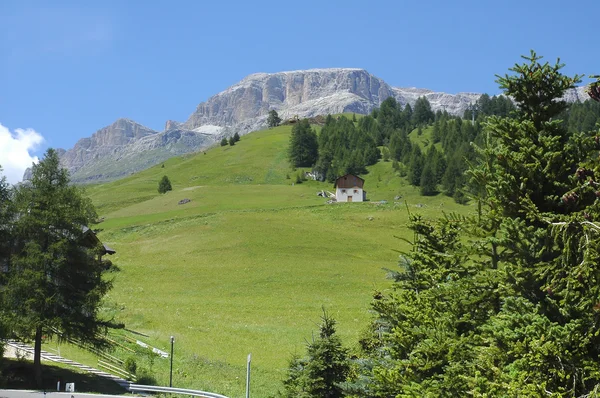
x,y
130,365
164,185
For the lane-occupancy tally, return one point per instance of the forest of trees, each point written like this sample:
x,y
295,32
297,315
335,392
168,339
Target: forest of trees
x,y
437,166
504,302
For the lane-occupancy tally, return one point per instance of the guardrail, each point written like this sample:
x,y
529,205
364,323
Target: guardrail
x,y
172,390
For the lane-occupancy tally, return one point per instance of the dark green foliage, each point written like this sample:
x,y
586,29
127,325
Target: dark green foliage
x,y
428,180
304,148
6,215
515,311
6,241
236,137
224,142
422,114
273,119
415,166
231,141
321,372
130,365
164,185
54,277
345,148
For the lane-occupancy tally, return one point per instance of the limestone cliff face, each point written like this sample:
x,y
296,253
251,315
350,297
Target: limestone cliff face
x,y
105,142
125,147
306,93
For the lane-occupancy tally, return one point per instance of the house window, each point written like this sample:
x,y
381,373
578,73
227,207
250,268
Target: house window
x,y
356,191
343,191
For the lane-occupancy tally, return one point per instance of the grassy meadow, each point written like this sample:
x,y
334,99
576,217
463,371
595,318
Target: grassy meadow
x,y
247,265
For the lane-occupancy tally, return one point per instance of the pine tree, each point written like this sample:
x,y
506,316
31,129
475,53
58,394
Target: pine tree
x,y
224,142
514,313
325,367
273,119
231,141
236,137
415,167
428,181
304,148
54,281
6,215
422,114
164,185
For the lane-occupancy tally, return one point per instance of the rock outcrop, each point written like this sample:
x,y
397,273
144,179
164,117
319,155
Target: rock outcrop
x,y
244,106
125,147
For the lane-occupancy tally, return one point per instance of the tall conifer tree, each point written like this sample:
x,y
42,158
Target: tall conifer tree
x,y
54,280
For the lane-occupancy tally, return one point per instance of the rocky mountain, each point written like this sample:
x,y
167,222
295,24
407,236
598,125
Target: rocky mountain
x,y
125,146
244,106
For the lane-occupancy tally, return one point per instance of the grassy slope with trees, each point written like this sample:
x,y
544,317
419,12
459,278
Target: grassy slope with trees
x,y
228,273
248,263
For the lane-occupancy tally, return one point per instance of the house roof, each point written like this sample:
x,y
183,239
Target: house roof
x,y
91,235
349,181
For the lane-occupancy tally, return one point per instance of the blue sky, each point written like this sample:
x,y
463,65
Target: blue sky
x,y
69,68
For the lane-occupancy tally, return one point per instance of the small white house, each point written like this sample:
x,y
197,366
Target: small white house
x,y
349,188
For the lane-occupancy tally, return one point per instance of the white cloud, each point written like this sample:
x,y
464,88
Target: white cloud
x,y
15,151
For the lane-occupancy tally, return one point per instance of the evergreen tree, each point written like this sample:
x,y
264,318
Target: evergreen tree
x,y
304,148
325,367
231,141
224,142
236,137
273,119
6,217
53,282
388,116
514,313
428,180
407,117
415,167
164,185
422,114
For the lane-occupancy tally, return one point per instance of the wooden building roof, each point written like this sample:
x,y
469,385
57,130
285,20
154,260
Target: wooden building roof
x,y
349,181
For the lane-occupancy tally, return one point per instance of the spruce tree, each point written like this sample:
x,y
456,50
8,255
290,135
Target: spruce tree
x,y
236,137
514,313
415,167
231,141
428,180
303,149
224,142
54,281
273,119
164,185
321,372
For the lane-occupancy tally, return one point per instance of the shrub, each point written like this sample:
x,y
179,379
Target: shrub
x,y
164,185
130,365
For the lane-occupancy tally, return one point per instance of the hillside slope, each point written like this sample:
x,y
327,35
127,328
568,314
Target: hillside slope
x,y
248,263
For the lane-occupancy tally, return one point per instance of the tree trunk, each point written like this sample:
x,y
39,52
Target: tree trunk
x,y
37,357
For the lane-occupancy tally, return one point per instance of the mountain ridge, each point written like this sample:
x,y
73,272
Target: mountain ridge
x,y
126,146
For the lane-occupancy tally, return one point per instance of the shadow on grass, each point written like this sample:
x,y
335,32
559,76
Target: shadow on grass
x,y
18,374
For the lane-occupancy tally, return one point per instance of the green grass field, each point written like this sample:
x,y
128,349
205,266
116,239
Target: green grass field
x,y
247,265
